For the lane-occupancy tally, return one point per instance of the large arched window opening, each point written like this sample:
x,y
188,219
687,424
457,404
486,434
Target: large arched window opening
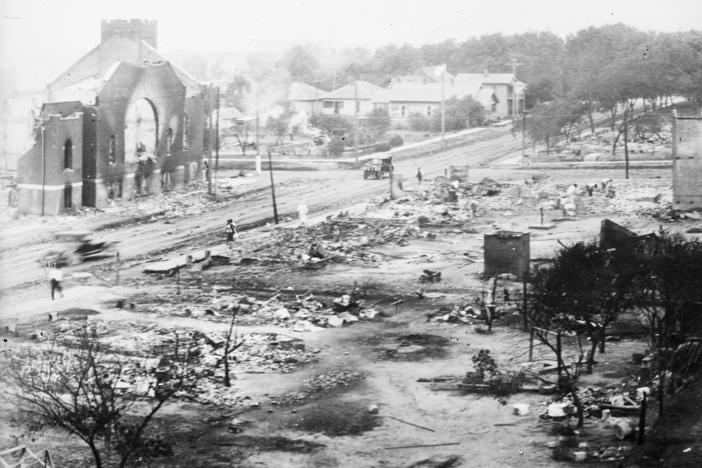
x,y
140,131
68,154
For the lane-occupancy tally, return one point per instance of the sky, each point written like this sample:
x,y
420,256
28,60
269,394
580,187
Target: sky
x,y
40,38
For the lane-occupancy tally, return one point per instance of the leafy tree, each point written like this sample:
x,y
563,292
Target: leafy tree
x,y
280,126
331,123
336,146
300,63
582,293
377,123
669,278
77,390
542,124
547,121
460,114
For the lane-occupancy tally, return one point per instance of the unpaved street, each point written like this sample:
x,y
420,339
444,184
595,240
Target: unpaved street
x,y
320,190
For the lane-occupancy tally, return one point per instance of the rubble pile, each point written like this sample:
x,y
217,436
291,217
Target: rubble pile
x,y
302,314
145,346
598,146
337,239
469,314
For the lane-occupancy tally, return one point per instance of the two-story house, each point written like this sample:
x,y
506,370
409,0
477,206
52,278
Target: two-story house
x,y
508,90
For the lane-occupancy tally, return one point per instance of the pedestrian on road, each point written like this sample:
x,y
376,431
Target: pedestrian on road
x,y
55,278
419,175
231,231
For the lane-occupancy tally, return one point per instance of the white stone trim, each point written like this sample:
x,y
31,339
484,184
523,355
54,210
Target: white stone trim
x,y
47,187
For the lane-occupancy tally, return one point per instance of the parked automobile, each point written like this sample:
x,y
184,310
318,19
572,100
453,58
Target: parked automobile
x,y
377,168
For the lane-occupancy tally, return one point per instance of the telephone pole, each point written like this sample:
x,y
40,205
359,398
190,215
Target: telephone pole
x,y
443,104
515,100
523,135
626,145
355,122
270,170
216,168
209,141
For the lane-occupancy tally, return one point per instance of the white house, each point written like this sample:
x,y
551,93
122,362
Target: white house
x,y
402,99
356,97
305,99
506,86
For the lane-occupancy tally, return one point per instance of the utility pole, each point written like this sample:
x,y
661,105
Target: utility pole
x,y
43,165
523,136
209,142
258,153
443,104
355,122
515,103
626,145
270,170
216,145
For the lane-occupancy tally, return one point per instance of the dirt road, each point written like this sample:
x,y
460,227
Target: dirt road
x,y
320,190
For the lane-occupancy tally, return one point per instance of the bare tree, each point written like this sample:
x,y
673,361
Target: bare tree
x,y
231,344
80,390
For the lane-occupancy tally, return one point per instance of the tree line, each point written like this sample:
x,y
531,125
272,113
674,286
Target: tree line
x,y
596,65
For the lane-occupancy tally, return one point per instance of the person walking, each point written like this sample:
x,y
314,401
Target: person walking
x,y
55,278
231,231
419,175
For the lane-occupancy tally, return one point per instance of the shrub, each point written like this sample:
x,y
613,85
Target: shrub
x,y
484,363
396,140
336,146
382,146
418,122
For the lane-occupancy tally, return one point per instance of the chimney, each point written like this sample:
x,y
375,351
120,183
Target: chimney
x,y
136,29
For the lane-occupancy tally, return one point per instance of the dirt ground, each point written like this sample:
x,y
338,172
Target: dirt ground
x,y
310,407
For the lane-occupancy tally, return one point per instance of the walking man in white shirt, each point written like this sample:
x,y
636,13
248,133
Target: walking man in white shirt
x,y
55,278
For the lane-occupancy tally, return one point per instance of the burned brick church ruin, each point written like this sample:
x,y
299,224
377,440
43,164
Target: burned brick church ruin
x,y
120,122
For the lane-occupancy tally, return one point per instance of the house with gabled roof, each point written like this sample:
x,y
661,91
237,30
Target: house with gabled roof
x,y
508,90
404,99
353,98
305,99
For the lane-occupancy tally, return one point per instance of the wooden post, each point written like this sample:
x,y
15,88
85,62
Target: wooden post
x,y
524,302
270,171
392,188
642,421
626,145
178,280
531,345
117,278
216,168
558,356
661,389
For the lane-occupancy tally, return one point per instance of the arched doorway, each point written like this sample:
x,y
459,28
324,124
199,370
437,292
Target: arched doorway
x,y
141,140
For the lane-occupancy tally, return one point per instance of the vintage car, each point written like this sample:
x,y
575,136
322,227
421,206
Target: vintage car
x,y
74,247
377,168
